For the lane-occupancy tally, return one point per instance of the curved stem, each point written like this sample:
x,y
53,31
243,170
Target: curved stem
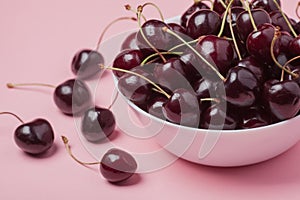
x,y
233,36
10,113
297,9
183,44
138,75
156,54
109,25
223,4
155,6
129,8
68,148
196,52
247,7
114,101
12,85
276,35
285,19
291,60
139,13
224,18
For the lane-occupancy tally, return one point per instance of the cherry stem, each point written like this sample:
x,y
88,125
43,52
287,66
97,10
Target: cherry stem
x,y
139,75
233,36
139,13
211,99
183,44
291,60
155,6
195,51
224,18
114,101
109,25
297,9
12,85
68,148
276,36
129,8
247,7
282,75
12,114
156,54
286,19
223,4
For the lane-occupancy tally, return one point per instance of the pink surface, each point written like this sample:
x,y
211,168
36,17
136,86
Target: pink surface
x,y
38,40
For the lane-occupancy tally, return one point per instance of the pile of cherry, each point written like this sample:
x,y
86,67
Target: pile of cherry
x,y
233,65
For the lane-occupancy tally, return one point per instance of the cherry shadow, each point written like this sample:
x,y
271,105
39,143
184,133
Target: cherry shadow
x,y
133,180
49,153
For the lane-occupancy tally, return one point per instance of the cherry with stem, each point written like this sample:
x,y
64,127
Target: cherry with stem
x,y
35,137
116,165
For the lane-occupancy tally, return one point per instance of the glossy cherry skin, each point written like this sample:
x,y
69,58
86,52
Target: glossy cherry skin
x,y
279,21
117,165
282,98
217,51
130,42
153,31
219,8
267,5
155,106
97,124
259,43
85,63
135,88
254,117
244,25
217,118
294,46
181,31
235,11
241,87
205,88
35,137
127,59
72,97
203,22
171,74
195,7
257,68
192,67
182,108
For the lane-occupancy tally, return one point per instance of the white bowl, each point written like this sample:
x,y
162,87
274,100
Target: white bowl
x,y
225,148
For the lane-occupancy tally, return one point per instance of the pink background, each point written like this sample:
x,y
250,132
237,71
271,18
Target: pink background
x,y
38,39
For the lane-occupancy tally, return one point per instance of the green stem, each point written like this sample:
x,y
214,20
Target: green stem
x,y
246,4
224,18
233,36
155,6
183,44
156,54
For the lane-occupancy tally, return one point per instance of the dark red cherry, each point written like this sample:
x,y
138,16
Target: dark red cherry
x,y
130,42
127,59
254,66
282,98
267,5
217,51
135,88
117,165
259,43
216,117
219,8
241,87
34,137
181,31
254,117
154,33
203,22
97,124
198,5
171,74
244,25
182,108
279,21
235,11
192,67
72,97
294,46
85,63
155,106
205,88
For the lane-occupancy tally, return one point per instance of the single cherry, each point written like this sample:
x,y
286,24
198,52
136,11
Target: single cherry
x,y
116,165
203,22
254,117
155,106
267,5
34,137
130,42
72,97
97,124
220,8
198,5
257,68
